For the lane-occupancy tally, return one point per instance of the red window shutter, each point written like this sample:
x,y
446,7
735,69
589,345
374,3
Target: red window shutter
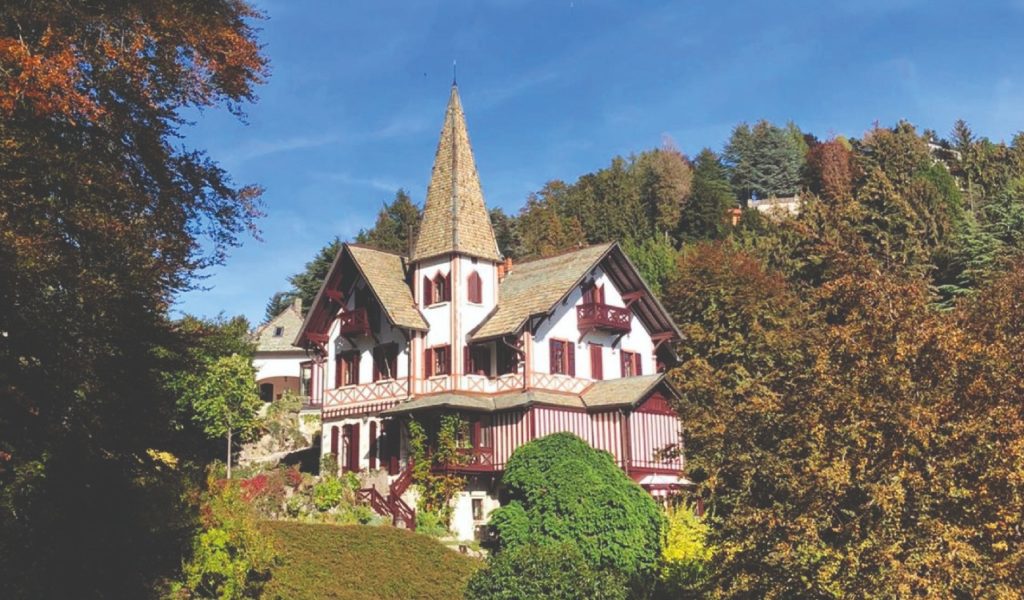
x,y
428,291
339,370
571,359
600,294
428,362
448,287
479,287
554,348
353,449
392,445
637,369
373,444
467,360
448,359
624,362
596,362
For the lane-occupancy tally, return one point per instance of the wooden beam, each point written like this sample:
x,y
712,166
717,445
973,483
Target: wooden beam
x,y
335,295
631,297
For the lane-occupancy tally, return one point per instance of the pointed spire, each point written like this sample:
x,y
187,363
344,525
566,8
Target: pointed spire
x,y
455,217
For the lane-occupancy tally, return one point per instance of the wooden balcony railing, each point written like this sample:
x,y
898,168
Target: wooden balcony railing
x,y
602,316
471,460
354,322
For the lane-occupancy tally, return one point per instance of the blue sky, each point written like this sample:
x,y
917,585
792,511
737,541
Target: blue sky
x,y
554,89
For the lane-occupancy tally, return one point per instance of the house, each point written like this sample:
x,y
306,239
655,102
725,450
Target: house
x,y
574,342
781,207
279,365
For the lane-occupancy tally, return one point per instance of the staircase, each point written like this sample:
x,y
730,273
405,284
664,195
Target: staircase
x,y
392,506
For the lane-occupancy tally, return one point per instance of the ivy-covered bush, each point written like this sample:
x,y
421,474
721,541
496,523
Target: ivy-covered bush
x,y
436,490
547,572
559,490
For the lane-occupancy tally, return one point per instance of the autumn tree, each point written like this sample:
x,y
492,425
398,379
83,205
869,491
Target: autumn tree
x,y
831,170
665,181
543,231
104,216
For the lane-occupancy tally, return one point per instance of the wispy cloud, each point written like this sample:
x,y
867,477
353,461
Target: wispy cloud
x,y
376,183
260,148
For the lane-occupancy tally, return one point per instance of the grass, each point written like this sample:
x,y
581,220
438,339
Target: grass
x,y
357,562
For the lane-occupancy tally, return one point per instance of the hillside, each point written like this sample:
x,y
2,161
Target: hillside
x,y
361,563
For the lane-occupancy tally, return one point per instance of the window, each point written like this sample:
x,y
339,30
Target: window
x,y
508,358
279,332
346,368
305,377
475,288
437,361
385,362
631,364
267,392
478,509
596,362
478,360
593,294
436,290
563,357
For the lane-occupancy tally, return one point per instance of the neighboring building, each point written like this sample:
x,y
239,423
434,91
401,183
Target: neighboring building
x,y
574,342
785,206
280,366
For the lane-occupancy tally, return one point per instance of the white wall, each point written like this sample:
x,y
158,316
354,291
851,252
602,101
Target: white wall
x,y
563,325
463,525
365,344
282,365
363,422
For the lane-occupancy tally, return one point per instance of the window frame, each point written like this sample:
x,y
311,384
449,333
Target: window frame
x,y
567,357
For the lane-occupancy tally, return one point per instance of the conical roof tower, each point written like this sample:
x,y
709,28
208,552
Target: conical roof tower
x,y
455,218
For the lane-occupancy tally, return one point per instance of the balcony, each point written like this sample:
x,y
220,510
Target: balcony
x,y
602,316
470,460
354,323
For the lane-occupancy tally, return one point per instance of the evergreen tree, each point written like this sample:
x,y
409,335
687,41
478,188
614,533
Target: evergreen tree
x,y
506,233
306,283
542,230
705,213
277,304
765,161
396,227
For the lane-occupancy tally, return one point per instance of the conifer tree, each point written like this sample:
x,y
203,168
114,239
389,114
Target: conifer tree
x,y
396,227
705,213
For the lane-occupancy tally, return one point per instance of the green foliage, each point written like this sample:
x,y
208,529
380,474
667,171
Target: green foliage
x,y
704,214
765,161
431,523
277,305
329,465
506,233
561,490
328,493
230,559
436,489
544,572
397,225
685,555
655,259
281,421
224,400
306,283
356,562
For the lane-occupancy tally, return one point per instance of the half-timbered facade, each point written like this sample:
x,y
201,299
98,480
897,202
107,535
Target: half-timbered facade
x,y
574,342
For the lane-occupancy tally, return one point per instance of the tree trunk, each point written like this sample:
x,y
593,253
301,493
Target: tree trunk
x,y
229,453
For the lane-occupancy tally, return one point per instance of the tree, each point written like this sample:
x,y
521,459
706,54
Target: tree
x,y
665,182
506,233
655,258
306,283
397,226
225,401
542,230
276,305
830,168
544,572
560,490
765,161
704,214
104,216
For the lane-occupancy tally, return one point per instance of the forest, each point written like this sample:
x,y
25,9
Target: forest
x,y
851,377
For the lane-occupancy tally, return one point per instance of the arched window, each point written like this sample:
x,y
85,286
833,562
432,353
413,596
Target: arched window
x,y
437,289
475,288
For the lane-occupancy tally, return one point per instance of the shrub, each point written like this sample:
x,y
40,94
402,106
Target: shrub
x,y
328,493
547,572
230,557
561,490
329,465
684,556
430,523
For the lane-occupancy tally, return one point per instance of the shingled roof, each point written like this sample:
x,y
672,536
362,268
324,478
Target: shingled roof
x,y
385,272
289,320
455,217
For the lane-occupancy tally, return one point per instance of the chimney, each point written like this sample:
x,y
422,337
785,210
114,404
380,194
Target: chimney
x,y
297,304
504,269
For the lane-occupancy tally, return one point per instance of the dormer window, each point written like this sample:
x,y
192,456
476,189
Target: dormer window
x,y
475,288
436,290
279,332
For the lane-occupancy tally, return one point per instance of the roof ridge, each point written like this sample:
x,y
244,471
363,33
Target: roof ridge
x,y
562,253
371,248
